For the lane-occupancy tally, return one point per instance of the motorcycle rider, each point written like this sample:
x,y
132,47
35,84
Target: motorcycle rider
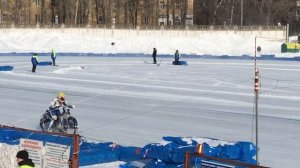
x,y
56,103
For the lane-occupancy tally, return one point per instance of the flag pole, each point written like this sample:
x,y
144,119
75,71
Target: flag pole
x,y
256,89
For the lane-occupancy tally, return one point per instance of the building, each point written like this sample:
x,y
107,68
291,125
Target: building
x,y
175,12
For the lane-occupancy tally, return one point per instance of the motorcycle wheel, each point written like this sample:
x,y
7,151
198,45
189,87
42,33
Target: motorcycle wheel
x,y
44,123
72,126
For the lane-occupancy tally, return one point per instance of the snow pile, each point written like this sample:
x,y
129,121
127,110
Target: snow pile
x,y
7,155
68,69
107,41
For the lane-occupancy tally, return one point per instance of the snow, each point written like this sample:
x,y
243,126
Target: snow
x,y
198,42
130,102
6,150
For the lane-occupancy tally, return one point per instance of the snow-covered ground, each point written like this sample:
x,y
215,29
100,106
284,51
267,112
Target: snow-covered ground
x,y
130,101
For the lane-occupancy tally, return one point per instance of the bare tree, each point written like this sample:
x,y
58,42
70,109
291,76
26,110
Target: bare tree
x,y
201,12
82,12
145,12
69,9
156,14
218,4
184,8
233,4
168,12
265,9
149,12
100,12
133,7
118,11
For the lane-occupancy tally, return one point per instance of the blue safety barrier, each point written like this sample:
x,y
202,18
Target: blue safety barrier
x,y
169,154
6,68
45,63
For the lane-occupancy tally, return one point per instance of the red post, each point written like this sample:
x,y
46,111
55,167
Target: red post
x,y
199,149
187,160
75,158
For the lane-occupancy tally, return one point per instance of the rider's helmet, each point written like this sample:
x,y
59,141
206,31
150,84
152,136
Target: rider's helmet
x,y
61,97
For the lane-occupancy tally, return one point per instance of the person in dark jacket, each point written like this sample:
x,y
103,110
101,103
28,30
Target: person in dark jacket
x,y
53,56
23,159
34,61
176,57
154,54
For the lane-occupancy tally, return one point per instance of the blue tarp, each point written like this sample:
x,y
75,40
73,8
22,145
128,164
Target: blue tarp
x,y
6,68
130,153
45,63
95,153
179,63
12,137
155,155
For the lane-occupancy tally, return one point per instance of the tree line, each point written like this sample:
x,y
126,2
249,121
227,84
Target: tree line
x,y
148,12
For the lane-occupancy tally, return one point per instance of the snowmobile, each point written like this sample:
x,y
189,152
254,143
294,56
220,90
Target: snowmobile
x,y
65,122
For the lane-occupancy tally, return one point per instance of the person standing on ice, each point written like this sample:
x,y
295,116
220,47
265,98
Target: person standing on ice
x,y
55,105
53,56
177,56
154,54
34,61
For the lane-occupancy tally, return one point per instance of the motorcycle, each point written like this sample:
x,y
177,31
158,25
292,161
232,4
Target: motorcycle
x,y
65,122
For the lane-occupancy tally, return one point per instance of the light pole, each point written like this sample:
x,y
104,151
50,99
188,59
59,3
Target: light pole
x,y
256,89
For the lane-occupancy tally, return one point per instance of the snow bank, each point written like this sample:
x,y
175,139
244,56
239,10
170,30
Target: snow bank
x,y
7,155
190,42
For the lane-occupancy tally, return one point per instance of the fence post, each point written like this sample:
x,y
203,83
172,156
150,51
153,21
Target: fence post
x,y
187,159
75,158
199,149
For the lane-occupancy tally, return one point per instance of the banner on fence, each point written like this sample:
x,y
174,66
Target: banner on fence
x,y
56,155
34,148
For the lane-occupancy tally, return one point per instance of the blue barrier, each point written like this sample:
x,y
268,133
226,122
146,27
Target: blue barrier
x,y
168,155
173,152
95,153
12,137
6,68
130,153
45,63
